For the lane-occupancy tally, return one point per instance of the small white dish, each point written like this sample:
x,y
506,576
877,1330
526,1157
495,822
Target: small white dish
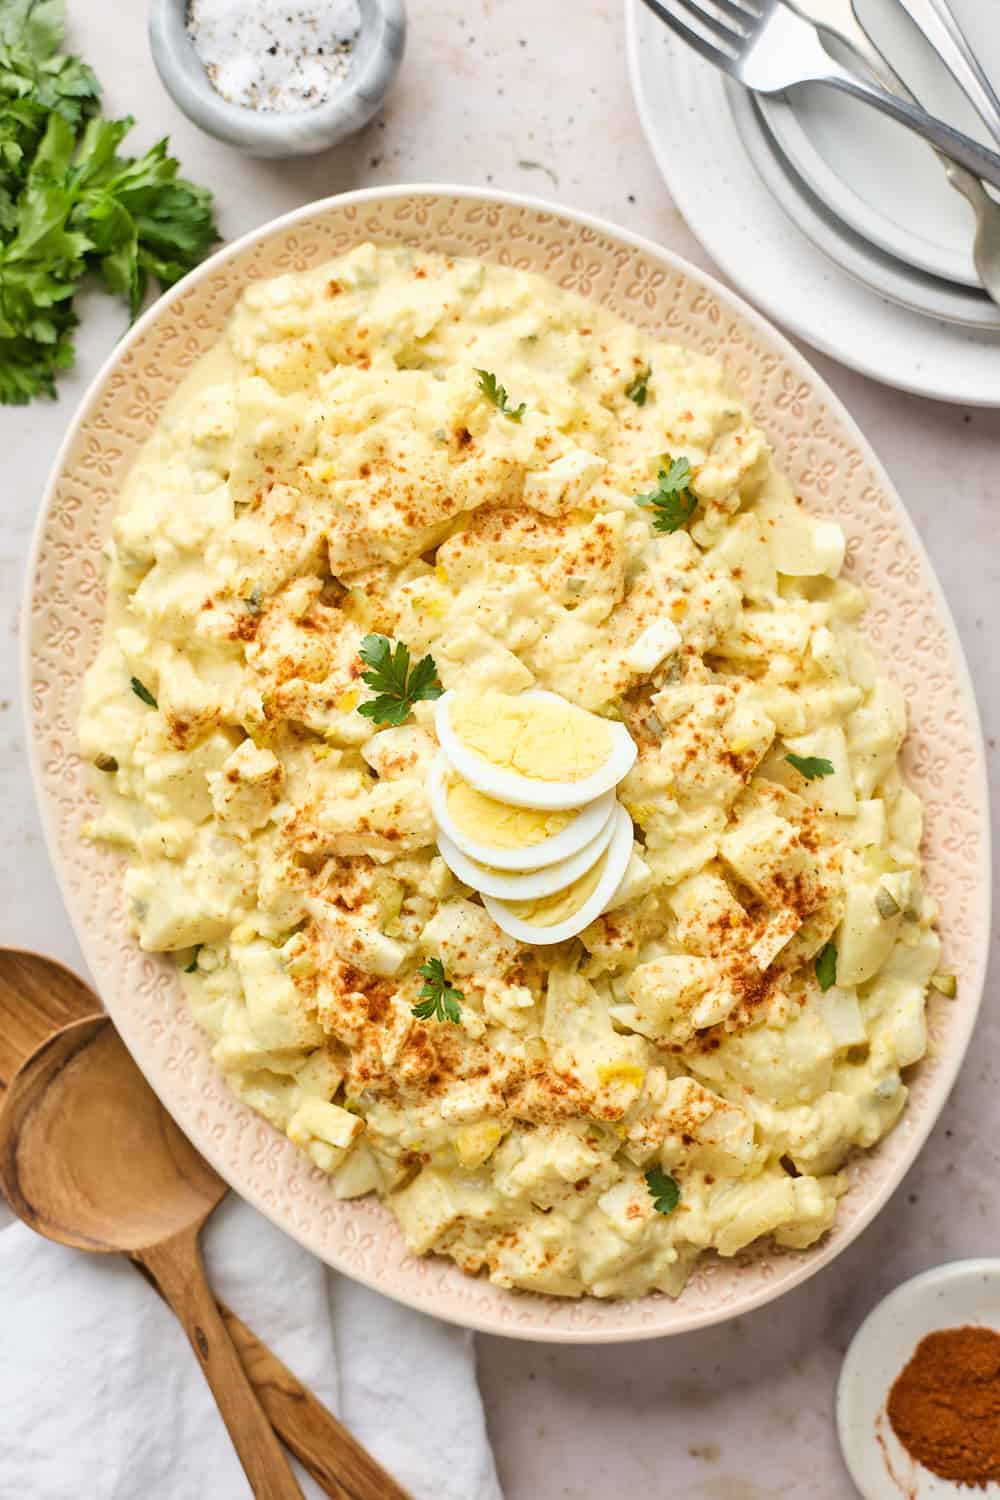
x,y
879,179
375,61
947,300
951,1296
703,159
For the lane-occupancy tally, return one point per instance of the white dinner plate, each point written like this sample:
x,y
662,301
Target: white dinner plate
x,y
682,104
879,178
950,1296
872,267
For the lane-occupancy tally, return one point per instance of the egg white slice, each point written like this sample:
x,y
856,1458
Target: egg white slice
x,y
583,827
528,791
512,886
610,870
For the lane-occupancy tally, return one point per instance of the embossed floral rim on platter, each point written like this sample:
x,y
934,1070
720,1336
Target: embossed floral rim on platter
x,y
831,465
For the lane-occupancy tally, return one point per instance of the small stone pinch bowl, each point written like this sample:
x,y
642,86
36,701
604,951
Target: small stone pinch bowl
x,y
354,100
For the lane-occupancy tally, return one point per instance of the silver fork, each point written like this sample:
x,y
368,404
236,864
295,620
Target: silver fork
x,y
840,19
770,48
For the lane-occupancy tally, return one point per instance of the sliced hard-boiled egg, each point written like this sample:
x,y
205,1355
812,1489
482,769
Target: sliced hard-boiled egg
x,y
658,641
532,749
531,884
554,918
510,838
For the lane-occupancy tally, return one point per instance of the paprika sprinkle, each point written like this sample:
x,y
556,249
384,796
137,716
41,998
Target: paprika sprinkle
x,y
945,1405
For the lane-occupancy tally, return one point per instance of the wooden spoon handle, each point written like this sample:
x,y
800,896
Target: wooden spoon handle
x,y
338,1463
177,1269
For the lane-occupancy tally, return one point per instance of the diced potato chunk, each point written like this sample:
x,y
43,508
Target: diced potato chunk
x,y
246,788
324,1131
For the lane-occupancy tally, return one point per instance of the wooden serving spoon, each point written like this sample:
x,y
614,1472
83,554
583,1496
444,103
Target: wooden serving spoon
x,y
90,1158
37,997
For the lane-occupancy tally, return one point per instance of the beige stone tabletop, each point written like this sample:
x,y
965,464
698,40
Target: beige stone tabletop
x,y
533,95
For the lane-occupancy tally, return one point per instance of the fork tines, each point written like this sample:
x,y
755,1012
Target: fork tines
x,y
728,21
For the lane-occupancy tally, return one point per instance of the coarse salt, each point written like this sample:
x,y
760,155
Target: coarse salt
x,y
274,55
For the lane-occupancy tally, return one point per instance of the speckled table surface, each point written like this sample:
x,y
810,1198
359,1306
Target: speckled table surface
x,y
535,97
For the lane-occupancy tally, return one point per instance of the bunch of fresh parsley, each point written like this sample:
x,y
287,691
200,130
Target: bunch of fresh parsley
x,y
70,204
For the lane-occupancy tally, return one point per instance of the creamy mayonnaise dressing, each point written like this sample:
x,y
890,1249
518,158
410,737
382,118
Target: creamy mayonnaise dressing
x,y
334,468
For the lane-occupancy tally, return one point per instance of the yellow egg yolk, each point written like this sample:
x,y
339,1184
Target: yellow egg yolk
x,y
549,911
535,737
498,825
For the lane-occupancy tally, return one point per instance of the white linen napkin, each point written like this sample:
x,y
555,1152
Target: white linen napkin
x,y
101,1396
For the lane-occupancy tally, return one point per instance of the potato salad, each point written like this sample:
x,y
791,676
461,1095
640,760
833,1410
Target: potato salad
x,y
490,739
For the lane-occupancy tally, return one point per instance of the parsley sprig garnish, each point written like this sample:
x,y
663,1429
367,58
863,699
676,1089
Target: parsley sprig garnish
x,y
142,691
638,389
397,684
810,766
439,1000
498,395
672,501
826,965
663,1189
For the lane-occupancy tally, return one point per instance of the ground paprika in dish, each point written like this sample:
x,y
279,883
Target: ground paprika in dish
x,y
945,1405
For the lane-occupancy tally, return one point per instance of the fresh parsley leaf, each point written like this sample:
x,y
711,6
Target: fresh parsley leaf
x,y
192,967
664,1190
71,204
498,395
141,218
672,500
826,966
142,691
439,1001
31,33
36,26
397,685
638,389
810,766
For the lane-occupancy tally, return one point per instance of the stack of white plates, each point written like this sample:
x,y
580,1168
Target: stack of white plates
x,y
834,220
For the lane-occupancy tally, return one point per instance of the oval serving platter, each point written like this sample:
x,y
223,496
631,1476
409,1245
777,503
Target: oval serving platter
x,y
832,467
